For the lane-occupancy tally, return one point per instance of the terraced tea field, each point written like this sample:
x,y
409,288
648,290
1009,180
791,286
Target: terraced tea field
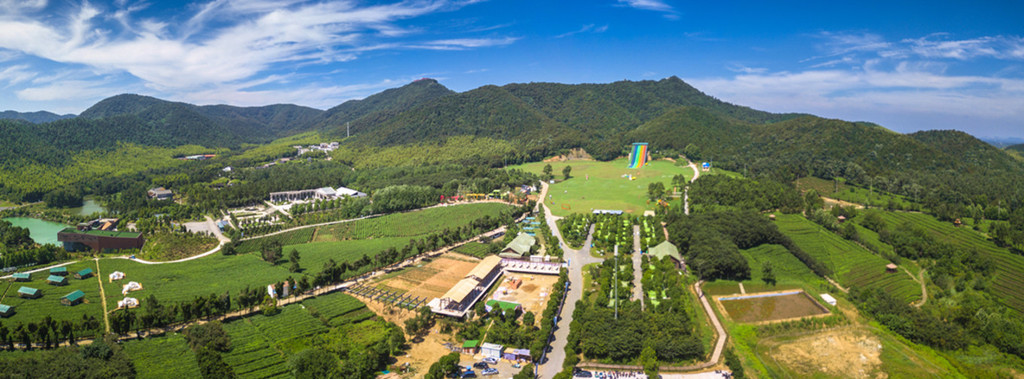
x,y
1008,279
853,265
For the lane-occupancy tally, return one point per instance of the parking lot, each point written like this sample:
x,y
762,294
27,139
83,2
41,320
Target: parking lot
x,y
505,369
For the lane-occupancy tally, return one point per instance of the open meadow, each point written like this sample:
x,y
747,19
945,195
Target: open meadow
x,y
790,273
601,185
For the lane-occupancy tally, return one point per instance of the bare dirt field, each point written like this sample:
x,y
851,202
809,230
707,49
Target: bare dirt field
x,y
770,307
529,293
840,353
431,279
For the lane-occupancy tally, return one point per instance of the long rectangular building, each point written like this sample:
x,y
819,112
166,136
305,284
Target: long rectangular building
x,y
100,240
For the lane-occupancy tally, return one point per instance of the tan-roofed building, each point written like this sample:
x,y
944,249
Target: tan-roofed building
x,y
485,267
460,291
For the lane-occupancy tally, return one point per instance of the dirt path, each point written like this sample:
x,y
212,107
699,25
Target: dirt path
x,y
835,283
686,191
844,204
103,295
924,288
743,291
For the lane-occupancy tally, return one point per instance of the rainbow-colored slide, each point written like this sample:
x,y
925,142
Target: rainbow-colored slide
x,y
639,156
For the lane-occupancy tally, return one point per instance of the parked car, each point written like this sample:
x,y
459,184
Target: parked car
x,y
481,365
583,374
490,371
469,374
492,361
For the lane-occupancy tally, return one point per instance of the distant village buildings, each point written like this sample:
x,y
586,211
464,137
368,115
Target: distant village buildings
x,y
325,147
160,193
325,193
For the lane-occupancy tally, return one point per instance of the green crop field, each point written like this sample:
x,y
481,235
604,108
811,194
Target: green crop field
x,y
32,310
474,249
251,354
294,237
601,185
1008,279
789,271
162,357
337,309
313,255
410,224
853,265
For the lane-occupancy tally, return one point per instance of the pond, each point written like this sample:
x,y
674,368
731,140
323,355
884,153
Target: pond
x,y
43,232
89,206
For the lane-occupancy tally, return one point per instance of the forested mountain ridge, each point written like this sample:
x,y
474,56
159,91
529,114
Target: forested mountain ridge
x,y
370,111
33,117
240,124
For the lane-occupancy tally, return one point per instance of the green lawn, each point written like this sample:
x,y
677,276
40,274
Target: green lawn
x,y
32,310
182,281
313,255
162,357
600,185
790,273
1008,279
852,265
410,224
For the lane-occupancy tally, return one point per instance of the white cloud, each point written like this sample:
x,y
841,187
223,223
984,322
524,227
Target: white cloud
x,y
221,43
464,43
652,5
586,28
65,90
16,74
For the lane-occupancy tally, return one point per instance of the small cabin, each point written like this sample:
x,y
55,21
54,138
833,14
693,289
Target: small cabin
x,y
87,273
29,293
771,217
957,222
492,350
6,310
842,219
890,268
828,299
62,271
56,280
471,347
73,298
22,277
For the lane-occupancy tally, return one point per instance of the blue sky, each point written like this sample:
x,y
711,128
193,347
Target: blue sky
x,y
936,65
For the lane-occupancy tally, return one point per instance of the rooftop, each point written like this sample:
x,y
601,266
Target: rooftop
x,y
55,278
521,244
4,308
100,233
666,249
87,271
28,290
74,295
21,275
471,344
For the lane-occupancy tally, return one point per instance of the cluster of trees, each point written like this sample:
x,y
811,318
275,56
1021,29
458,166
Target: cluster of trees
x,y
667,329
48,333
711,242
208,341
711,191
337,354
103,358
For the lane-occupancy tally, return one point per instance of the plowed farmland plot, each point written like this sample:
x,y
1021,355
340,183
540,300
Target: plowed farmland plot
x,y
432,279
853,265
770,307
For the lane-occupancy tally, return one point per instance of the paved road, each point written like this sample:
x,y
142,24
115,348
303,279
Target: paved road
x,y
577,259
722,336
638,270
686,191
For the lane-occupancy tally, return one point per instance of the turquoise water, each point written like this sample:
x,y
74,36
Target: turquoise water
x,y
89,206
43,232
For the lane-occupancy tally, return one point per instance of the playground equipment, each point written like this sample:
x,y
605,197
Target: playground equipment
x,y
638,158
476,196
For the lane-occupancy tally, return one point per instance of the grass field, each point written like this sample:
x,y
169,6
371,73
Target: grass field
x,y
176,282
600,185
855,194
294,237
474,249
337,309
31,310
162,357
1008,279
771,308
411,224
171,246
852,265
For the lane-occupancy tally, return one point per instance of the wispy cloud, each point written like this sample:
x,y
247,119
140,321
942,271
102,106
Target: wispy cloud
x,y
221,43
652,5
464,43
904,82
591,28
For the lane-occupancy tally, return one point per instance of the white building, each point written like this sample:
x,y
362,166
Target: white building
x,y
491,350
828,299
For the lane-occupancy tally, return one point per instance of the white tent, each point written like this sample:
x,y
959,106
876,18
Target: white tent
x,y
128,302
131,286
116,275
